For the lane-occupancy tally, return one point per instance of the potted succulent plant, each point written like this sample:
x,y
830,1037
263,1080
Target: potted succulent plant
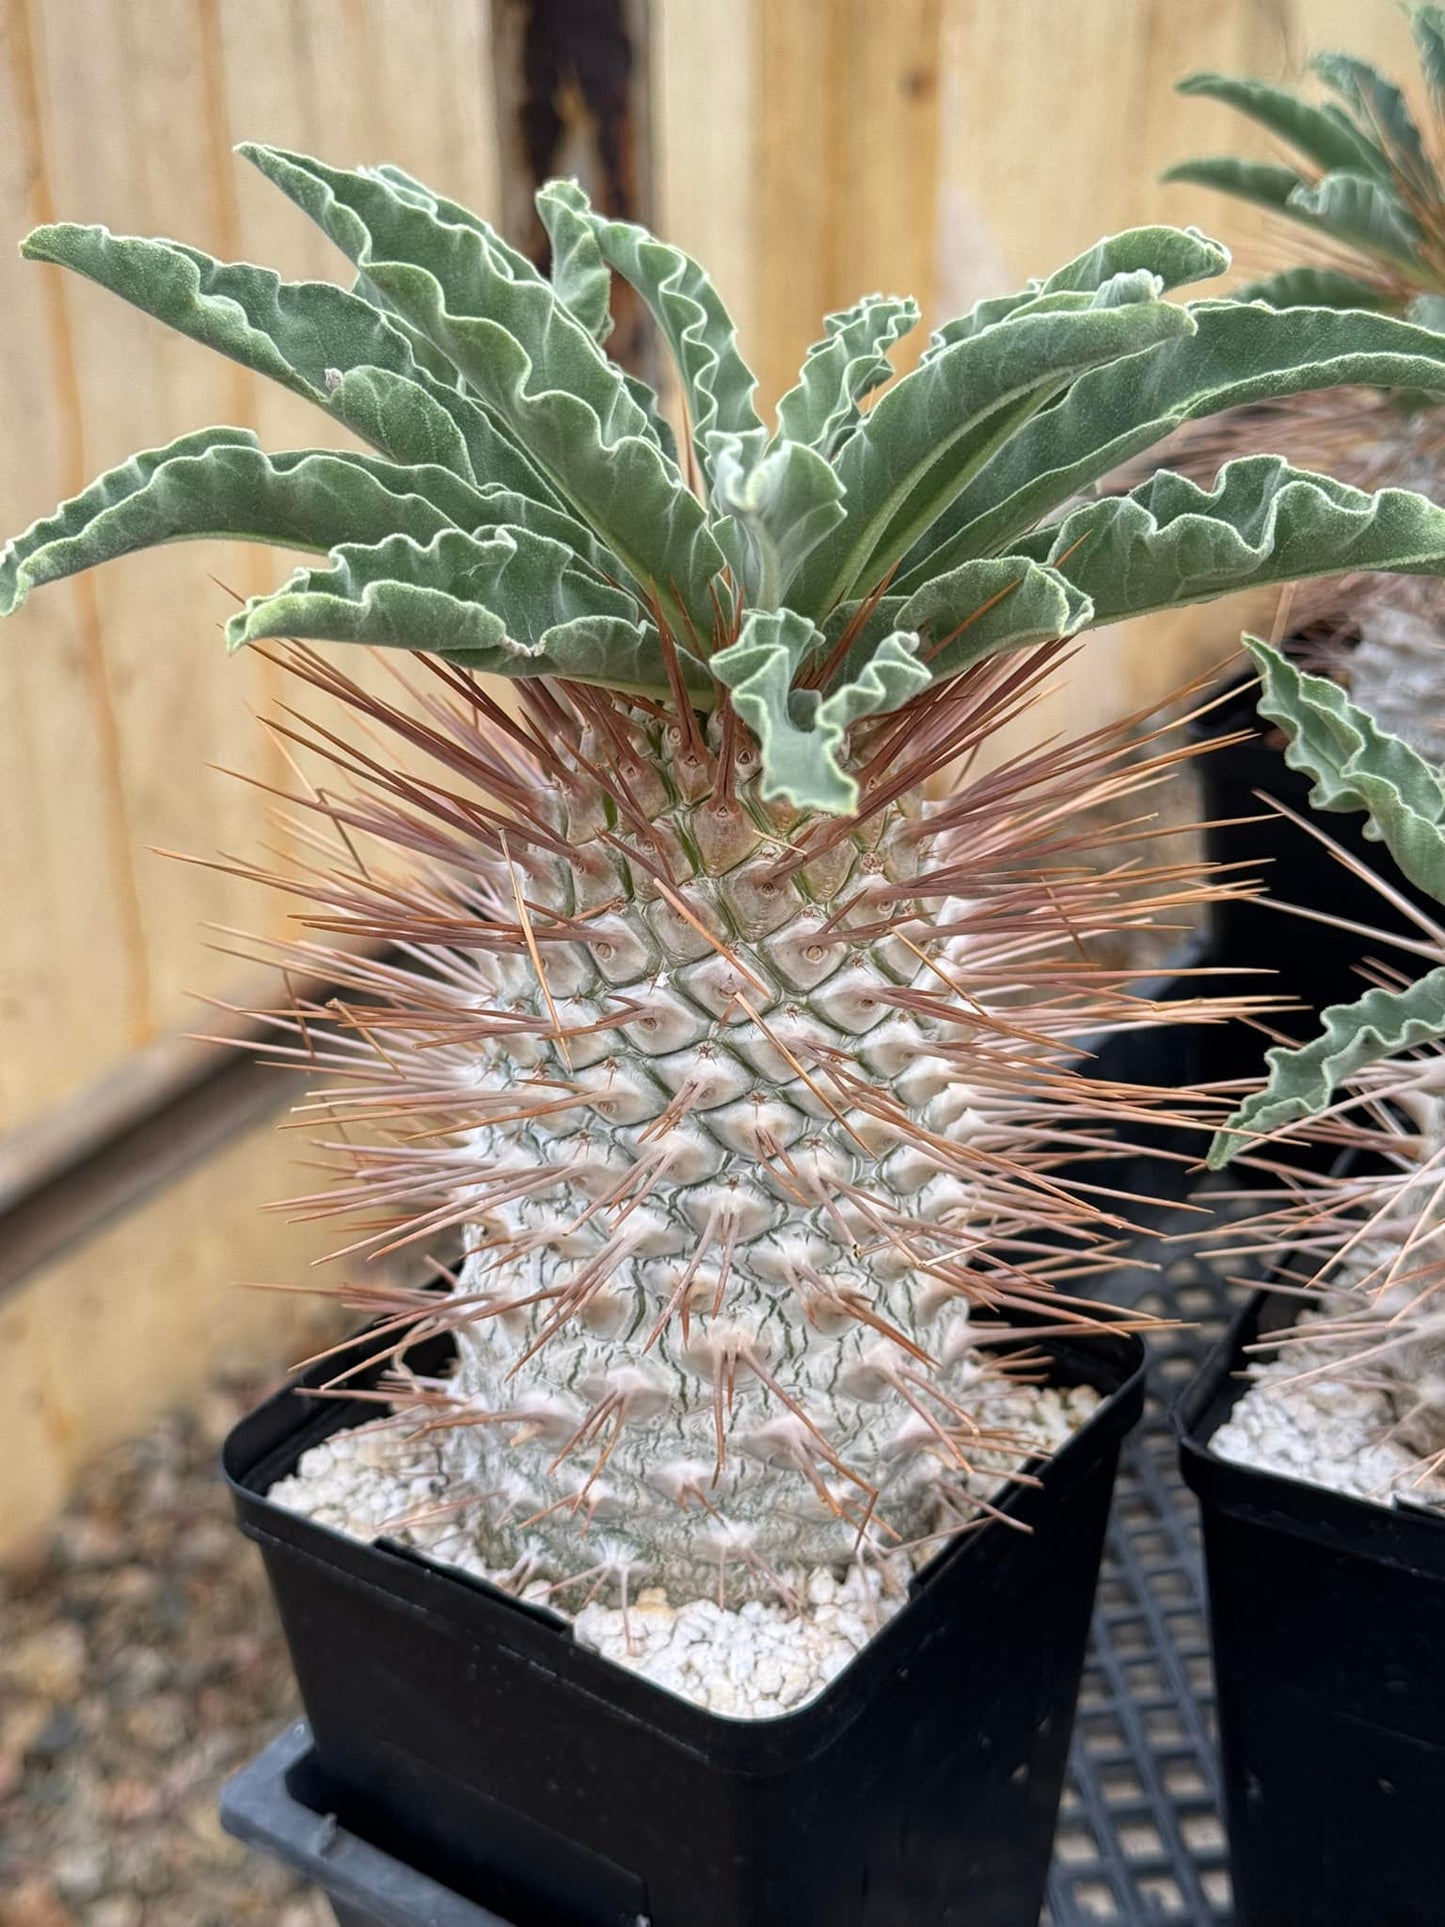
x,y
1314,1436
747,1081
1360,197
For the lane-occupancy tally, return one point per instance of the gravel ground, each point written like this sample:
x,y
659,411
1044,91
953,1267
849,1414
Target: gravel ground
x,y
140,1665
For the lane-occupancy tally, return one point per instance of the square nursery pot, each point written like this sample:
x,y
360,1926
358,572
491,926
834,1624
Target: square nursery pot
x,y
1313,962
1328,1622
469,1735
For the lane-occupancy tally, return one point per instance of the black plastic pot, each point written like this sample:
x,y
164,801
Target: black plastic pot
x,y
470,1736
1328,1620
1313,962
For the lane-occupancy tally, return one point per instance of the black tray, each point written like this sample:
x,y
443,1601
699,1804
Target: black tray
x,y
278,1805
1141,1839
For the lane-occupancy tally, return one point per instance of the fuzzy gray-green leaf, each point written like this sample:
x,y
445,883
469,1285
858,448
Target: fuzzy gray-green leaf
x,y
530,364
1377,104
1360,213
821,409
717,382
1176,256
1311,287
1328,142
780,503
800,732
1301,1082
492,602
300,334
983,608
1354,765
1170,542
933,430
581,277
583,283
1240,353
292,331
415,428
1263,183
220,483
1428,24
400,418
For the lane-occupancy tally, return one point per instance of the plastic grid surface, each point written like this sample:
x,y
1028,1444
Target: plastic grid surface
x,y
1140,1837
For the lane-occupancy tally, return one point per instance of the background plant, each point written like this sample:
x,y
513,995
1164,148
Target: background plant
x,y
1361,194
744,1076
1354,766
1366,1237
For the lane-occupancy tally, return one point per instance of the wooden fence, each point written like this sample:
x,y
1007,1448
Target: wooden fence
x,y
808,150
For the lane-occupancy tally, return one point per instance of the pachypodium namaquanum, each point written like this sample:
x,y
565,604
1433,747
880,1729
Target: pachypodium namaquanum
x,y
745,1078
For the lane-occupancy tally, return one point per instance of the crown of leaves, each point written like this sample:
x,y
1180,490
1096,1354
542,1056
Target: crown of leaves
x,y
1364,182
525,510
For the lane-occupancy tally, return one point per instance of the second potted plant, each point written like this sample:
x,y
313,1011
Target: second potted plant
x,y
1314,1437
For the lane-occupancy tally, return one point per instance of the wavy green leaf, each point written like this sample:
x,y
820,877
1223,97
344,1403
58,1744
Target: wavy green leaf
x,y
983,608
502,509
801,732
406,186
398,416
1376,104
300,334
412,427
933,430
291,331
717,383
779,502
1169,541
1310,287
581,277
496,459
1428,25
1360,213
583,283
821,409
1355,765
1322,139
530,364
1176,256
1240,353
220,483
1119,291
1302,1082
1263,183
496,602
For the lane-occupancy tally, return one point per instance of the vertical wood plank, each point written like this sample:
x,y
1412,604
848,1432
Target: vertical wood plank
x,y
118,696
67,852
845,159
574,98
705,84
